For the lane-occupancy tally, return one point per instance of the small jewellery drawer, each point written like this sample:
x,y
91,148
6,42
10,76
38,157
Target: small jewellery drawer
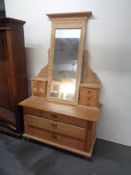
x,y
55,138
89,97
39,88
56,127
39,84
56,117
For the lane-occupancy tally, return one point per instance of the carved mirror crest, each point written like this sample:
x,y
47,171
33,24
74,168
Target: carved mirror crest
x,y
66,55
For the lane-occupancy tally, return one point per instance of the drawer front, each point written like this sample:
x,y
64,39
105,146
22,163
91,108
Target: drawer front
x,y
37,93
55,138
89,97
56,127
39,88
56,117
39,84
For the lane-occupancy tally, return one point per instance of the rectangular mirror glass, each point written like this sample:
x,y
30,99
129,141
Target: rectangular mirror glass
x,y
65,64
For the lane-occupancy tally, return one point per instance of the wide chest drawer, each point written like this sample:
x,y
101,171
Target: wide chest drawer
x,y
55,127
53,138
56,117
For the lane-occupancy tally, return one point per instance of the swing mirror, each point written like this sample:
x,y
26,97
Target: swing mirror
x,y
65,57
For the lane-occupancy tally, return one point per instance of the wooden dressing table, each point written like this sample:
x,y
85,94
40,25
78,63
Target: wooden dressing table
x,y
64,107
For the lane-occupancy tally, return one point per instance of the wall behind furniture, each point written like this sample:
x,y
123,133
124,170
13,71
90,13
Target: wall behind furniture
x,y
109,45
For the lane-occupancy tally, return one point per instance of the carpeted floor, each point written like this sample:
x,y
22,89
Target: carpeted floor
x,y
19,157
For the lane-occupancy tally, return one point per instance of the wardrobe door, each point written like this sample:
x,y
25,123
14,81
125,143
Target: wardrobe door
x,y
4,96
7,116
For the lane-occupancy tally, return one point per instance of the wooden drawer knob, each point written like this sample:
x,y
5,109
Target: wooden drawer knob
x,y
54,136
54,116
54,125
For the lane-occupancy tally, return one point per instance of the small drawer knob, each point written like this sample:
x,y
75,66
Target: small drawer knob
x,y
89,91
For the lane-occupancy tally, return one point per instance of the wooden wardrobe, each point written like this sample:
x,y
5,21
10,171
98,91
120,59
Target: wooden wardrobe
x,y
13,79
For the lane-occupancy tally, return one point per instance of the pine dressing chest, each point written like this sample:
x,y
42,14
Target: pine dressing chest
x,y
64,107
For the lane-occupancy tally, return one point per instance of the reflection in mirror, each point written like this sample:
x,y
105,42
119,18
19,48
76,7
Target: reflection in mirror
x,y
65,63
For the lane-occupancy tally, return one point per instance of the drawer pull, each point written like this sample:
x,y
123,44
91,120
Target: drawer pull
x,y
54,125
54,136
54,116
89,91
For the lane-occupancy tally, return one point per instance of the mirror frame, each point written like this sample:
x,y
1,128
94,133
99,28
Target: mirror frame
x,y
67,21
